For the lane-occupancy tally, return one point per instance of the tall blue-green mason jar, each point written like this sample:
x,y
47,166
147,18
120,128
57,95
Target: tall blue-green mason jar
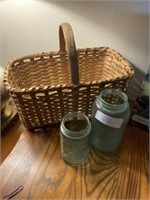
x,y
110,114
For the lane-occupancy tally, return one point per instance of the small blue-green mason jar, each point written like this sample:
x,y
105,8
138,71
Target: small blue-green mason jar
x,y
75,131
110,114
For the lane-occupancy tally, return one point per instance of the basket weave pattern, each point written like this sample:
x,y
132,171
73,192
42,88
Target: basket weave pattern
x,y
42,87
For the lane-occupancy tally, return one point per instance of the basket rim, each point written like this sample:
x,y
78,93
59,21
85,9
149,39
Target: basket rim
x,y
50,53
34,57
63,86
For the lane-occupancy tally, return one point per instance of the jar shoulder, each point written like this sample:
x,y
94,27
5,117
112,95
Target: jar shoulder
x,y
125,111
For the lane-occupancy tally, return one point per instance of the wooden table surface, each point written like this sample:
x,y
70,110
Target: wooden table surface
x,y
34,161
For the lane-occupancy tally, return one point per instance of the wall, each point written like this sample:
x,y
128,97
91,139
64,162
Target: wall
x,y
32,26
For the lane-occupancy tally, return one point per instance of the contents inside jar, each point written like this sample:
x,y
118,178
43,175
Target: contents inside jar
x,y
113,99
76,125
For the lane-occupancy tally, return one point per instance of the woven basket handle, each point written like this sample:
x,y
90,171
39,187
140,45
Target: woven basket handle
x,y
67,42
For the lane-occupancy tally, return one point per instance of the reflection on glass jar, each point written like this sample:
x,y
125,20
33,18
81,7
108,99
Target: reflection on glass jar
x,y
75,131
110,114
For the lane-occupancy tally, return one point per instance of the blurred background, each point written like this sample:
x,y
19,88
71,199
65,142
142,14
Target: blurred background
x,y
31,26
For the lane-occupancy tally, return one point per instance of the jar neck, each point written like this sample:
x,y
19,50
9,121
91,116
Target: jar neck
x,y
78,133
112,99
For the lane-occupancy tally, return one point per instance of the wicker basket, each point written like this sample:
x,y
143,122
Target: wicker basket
x,y
46,86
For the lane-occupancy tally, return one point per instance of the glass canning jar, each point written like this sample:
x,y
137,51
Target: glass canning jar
x,y
75,130
110,114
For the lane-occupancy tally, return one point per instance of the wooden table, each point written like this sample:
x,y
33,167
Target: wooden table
x,y
34,161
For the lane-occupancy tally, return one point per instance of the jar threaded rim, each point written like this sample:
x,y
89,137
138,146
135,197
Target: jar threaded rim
x,y
75,134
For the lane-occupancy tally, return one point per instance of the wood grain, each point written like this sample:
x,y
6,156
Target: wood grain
x,y
9,141
35,162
